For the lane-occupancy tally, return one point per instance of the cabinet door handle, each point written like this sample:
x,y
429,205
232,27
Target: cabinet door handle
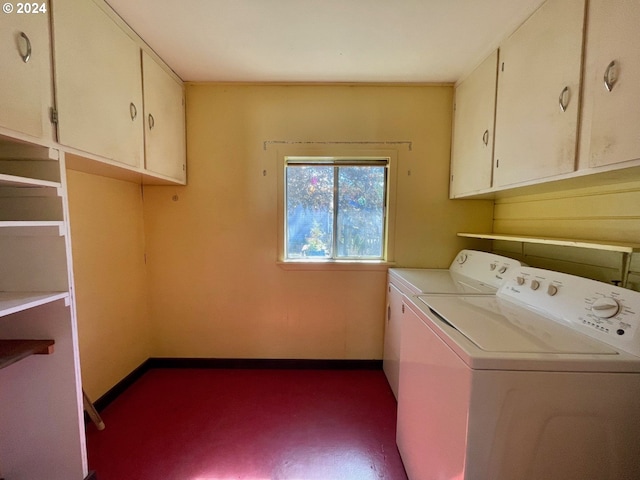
x,y
485,138
133,111
151,121
609,76
27,56
563,100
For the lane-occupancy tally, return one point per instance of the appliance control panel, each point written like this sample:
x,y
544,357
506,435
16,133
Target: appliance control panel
x,y
605,312
487,268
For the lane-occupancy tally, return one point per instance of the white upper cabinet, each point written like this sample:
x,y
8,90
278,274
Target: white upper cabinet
x,y
612,82
474,116
98,83
165,150
25,82
538,95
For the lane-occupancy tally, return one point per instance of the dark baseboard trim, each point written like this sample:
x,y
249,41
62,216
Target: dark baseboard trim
x,y
91,476
230,363
121,386
265,363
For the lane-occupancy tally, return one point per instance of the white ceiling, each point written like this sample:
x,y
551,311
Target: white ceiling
x,y
323,40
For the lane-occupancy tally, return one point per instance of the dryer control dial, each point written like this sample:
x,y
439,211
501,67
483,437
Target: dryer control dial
x,y
605,307
462,258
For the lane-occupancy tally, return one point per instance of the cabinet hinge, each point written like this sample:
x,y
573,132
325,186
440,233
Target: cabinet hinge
x,y
54,115
497,162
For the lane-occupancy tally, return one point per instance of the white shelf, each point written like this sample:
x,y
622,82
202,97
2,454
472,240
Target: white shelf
x,y
565,242
32,228
626,249
14,302
15,181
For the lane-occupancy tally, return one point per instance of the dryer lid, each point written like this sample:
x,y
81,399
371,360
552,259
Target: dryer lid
x,y
497,326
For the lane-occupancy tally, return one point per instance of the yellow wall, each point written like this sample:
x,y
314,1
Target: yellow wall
x,y
108,254
212,279
215,287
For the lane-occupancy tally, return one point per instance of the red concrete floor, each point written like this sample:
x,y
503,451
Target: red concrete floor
x,y
236,424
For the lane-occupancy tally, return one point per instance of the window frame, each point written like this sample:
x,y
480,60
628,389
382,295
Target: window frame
x,y
341,158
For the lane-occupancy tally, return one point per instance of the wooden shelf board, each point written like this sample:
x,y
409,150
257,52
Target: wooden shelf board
x,y
12,351
565,242
13,302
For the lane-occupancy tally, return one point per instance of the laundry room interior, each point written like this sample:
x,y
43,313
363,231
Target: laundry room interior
x,y
188,266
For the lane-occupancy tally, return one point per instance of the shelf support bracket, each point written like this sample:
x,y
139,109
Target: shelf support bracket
x,y
626,265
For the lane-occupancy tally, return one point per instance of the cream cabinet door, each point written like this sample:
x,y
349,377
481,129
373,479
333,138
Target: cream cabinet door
x,y
98,83
25,82
538,95
474,115
612,80
165,150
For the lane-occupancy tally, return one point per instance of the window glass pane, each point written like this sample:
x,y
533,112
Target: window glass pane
x,y
309,211
360,221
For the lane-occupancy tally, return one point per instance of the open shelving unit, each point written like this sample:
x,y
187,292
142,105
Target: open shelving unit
x,y
40,386
625,249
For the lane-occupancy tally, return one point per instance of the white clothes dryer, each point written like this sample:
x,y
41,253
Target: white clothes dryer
x,y
540,382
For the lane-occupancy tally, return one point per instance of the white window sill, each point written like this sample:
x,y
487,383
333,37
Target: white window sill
x,y
329,265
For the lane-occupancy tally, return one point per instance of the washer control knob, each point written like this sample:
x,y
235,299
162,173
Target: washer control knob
x,y
462,258
520,280
552,290
605,307
502,269
535,284
492,267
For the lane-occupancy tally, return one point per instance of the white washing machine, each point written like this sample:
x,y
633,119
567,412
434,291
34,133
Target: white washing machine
x,y
471,272
541,381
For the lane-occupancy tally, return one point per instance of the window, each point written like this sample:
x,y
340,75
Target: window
x,y
335,208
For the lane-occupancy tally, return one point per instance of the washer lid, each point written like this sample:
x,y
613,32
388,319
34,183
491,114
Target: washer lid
x,y
440,281
497,326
